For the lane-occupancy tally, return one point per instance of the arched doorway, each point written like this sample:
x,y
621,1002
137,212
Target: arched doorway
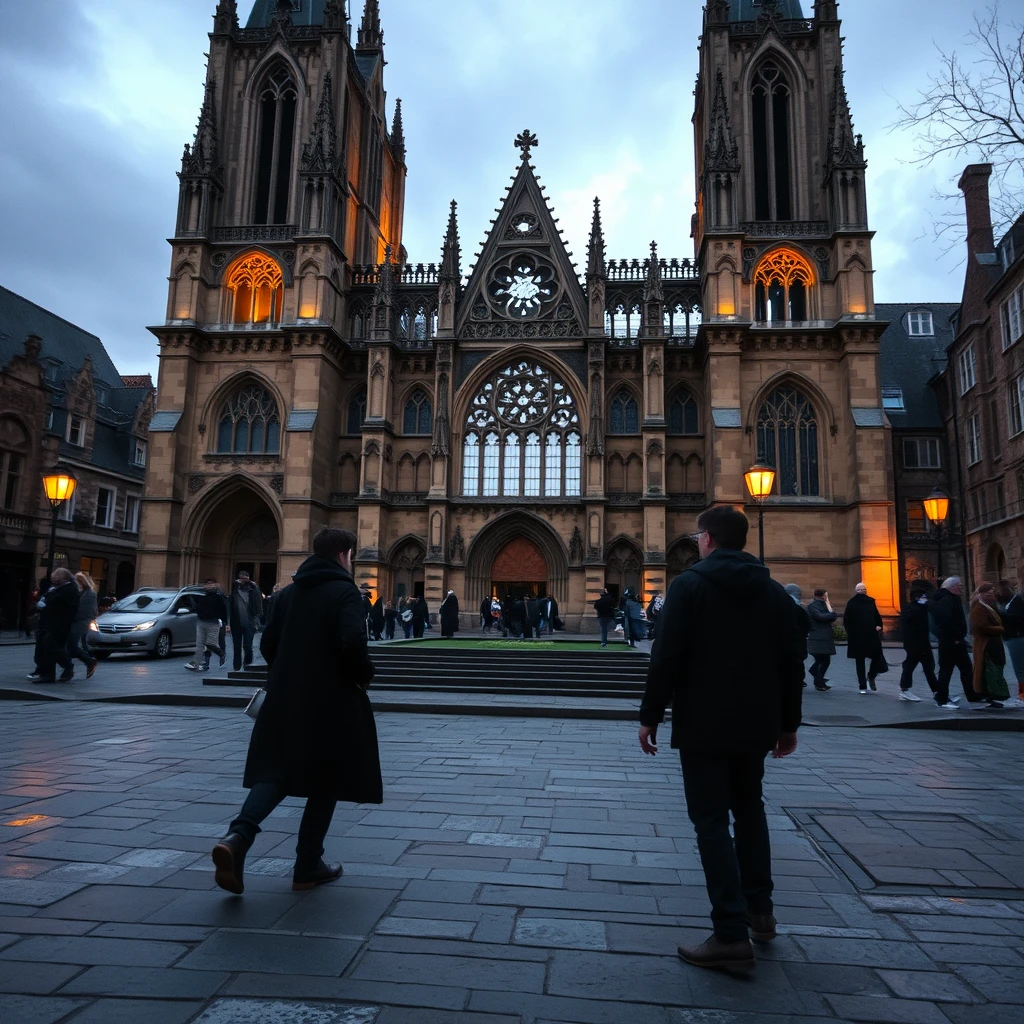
x,y
995,564
407,570
254,550
519,570
681,556
623,569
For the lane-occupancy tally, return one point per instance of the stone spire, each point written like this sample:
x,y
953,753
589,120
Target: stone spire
x,y
335,18
653,290
596,257
451,251
398,134
370,36
721,153
384,295
225,19
320,152
845,150
201,158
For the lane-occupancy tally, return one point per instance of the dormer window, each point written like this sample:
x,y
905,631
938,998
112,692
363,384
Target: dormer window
x,y
76,431
139,458
102,396
920,324
892,400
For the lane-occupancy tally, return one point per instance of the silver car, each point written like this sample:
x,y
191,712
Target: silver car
x,y
153,620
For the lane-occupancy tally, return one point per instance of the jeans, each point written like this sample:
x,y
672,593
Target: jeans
x,y
78,646
544,624
819,668
241,637
207,641
738,872
407,629
1015,649
923,658
954,654
316,820
606,623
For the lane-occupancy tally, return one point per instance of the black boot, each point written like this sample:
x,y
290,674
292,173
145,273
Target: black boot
x,y
318,875
229,861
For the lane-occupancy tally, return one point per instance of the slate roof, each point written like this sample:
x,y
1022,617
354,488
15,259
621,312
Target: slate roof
x,y
748,10
304,12
910,362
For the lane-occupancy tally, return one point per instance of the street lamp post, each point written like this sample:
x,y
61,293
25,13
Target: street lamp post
x,y
936,508
760,481
59,486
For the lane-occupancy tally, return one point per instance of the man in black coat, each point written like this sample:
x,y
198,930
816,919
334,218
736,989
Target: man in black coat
x,y
917,642
950,627
531,626
419,617
802,618
732,703
863,636
449,615
61,606
245,608
486,619
315,735
605,608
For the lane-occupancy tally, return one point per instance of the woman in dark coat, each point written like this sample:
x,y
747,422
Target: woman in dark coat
x,y
419,617
449,612
863,636
315,735
821,643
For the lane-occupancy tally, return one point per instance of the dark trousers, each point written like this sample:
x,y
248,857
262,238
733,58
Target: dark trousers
x,y
955,655
241,638
605,622
417,628
819,668
78,646
863,675
922,657
39,654
738,872
316,820
55,653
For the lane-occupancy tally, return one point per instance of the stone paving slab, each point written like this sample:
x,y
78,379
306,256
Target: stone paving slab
x,y
479,891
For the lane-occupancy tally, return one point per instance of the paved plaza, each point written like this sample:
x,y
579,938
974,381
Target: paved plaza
x,y
520,870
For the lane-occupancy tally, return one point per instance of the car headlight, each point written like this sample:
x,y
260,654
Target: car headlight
x,y
93,627
145,625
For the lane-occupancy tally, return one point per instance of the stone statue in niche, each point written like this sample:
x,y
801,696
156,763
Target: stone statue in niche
x,y
576,546
457,547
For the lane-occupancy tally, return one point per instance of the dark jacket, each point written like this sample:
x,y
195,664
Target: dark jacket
x,y
315,733
727,657
533,612
419,611
246,605
377,614
449,615
61,608
605,606
820,639
212,606
915,627
485,609
1013,617
87,607
861,619
949,623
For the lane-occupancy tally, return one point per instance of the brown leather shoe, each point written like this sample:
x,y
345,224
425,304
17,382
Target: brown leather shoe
x,y
725,956
322,873
229,862
762,927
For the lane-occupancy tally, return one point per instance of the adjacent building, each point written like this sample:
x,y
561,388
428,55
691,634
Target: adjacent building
x,y
63,401
521,424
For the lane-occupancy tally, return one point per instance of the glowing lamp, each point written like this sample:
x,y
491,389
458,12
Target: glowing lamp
x,y
59,486
760,481
936,506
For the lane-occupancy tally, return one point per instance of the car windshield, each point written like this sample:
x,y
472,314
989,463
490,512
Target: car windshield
x,y
143,603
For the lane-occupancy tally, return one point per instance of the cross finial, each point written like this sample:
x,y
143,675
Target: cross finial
x,y
526,141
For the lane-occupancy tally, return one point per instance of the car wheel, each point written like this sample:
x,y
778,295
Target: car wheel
x,y
162,647
100,655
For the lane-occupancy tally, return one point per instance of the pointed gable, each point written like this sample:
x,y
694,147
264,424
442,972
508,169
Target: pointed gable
x,y
524,284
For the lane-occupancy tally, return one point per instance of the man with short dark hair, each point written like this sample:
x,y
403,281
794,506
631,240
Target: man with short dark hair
x,y
245,610
732,703
315,735
60,606
950,627
211,611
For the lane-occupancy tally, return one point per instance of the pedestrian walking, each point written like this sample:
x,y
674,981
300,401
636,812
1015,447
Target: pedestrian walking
x,y
531,622
390,618
653,612
605,608
1011,609
377,618
732,703
60,604
989,654
633,622
802,618
88,609
917,643
949,624
211,613
315,735
419,616
498,615
39,628
405,615
449,615
486,619
864,637
245,609
821,641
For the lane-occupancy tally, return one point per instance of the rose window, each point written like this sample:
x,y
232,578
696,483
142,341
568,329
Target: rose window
x,y
523,287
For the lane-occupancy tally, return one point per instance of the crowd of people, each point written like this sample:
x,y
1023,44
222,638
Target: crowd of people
x,y
65,604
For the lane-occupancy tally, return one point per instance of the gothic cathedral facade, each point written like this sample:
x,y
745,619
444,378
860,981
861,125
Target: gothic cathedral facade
x,y
517,425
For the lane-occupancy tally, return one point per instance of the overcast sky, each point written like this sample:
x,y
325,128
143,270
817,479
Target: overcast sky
x,y
100,95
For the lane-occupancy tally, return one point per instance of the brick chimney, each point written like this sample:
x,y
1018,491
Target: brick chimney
x,y
974,185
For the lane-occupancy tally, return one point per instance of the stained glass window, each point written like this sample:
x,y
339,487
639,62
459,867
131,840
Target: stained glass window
x,y
787,440
417,414
682,414
249,424
624,415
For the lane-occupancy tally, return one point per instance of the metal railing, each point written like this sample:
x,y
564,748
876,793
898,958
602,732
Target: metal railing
x,y
993,516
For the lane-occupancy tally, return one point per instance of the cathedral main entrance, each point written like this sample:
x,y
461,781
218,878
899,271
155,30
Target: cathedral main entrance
x,y
519,570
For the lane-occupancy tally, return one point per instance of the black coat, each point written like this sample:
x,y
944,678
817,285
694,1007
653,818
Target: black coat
x,y
61,608
315,733
727,657
1013,618
861,619
245,605
533,612
820,640
449,615
948,619
212,606
914,623
605,606
803,624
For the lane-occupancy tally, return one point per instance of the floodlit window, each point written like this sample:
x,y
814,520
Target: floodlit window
x,y
1011,317
257,288
783,281
140,453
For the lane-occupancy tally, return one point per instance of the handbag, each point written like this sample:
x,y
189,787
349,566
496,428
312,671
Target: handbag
x,y
252,709
878,665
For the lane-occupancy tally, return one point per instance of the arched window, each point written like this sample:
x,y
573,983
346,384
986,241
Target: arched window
x,y
274,148
787,440
417,418
356,412
783,281
256,285
522,437
771,120
682,414
14,446
623,414
249,424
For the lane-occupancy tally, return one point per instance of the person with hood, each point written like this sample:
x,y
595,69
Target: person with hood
x,y
211,611
60,603
949,624
917,642
634,625
605,608
989,654
315,735
863,636
449,615
821,642
245,609
1011,608
732,703
803,619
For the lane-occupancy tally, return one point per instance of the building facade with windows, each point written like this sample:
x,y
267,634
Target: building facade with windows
x,y
982,390
523,424
63,401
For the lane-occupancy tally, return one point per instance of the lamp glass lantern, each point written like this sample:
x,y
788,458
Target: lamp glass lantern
x,y
59,486
760,481
936,506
